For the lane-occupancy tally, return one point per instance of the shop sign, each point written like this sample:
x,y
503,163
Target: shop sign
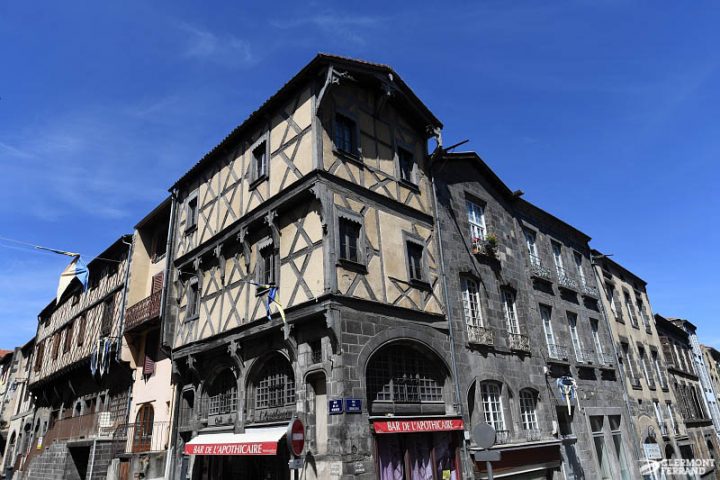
x,y
413,426
335,407
250,448
353,405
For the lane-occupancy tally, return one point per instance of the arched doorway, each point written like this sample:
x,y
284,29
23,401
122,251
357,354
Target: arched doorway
x,y
143,429
408,379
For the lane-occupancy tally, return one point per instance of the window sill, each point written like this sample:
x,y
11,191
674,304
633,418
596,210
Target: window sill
x,y
352,265
420,284
255,183
409,185
352,157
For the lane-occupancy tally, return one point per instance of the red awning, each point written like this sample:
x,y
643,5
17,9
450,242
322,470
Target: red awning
x,y
255,441
418,425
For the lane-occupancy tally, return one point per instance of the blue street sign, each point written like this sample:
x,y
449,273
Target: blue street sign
x,y
353,405
335,407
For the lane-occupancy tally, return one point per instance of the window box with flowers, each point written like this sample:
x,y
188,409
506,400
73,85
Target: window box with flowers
x,y
486,246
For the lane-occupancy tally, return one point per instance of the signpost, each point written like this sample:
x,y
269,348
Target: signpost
x,y
296,444
484,437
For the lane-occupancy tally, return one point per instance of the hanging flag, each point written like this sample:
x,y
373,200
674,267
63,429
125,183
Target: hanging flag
x,y
76,269
272,298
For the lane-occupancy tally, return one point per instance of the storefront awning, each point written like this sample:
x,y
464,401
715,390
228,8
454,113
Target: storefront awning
x,y
255,441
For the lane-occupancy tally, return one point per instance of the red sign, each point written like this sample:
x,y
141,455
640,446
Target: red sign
x,y
412,426
250,448
296,437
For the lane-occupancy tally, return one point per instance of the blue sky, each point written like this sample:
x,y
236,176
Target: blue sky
x,y
604,113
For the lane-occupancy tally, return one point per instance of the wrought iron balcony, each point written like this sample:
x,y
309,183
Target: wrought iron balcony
x,y
93,425
590,291
480,335
141,437
538,270
146,309
565,280
519,342
585,356
532,435
606,359
557,352
502,437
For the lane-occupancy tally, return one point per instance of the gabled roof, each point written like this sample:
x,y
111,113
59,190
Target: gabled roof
x,y
309,71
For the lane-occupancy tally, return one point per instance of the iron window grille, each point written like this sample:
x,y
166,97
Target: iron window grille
x,y
275,387
222,394
403,375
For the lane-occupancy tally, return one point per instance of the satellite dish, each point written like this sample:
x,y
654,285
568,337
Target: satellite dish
x,y
483,435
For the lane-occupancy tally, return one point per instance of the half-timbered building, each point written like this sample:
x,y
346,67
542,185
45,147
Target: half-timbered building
x,y
80,384
321,200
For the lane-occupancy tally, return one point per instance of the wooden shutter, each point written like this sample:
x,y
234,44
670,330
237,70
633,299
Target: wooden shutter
x,y
81,330
151,348
157,282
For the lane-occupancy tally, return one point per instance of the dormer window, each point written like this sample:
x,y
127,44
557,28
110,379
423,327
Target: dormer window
x,y
260,162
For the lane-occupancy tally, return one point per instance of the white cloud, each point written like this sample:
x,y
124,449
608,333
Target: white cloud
x,y
353,28
219,48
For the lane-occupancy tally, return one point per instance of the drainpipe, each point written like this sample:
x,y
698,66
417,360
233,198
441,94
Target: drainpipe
x,y
121,332
637,440
443,276
169,255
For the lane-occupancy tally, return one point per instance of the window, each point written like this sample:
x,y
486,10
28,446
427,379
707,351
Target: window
x,y
151,350
406,164
191,213
476,219
107,315
579,267
82,325
222,394
143,429
68,338
572,323
275,385
159,243
193,298
511,319
630,360
492,405
260,164
647,371
349,240
39,354
266,266
630,309
595,329
671,416
557,256
659,417
532,247
56,345
471,302
528,409
415,261
610,293
345,134
546,316
402,374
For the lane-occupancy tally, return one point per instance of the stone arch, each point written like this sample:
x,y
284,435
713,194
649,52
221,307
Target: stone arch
x,y
271,388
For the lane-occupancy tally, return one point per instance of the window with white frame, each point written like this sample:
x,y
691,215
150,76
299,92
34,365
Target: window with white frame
x,y
659,417
630,308
476,219
557,256
610,293
528,409
579,267
530,242
647,371
471,302
349,240
511,318
630,360
260,163
595,330
671,416
572,323
493,405
546,316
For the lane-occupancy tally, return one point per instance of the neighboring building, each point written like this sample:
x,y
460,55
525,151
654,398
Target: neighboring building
x,y
711,357
7,392
523,303
653,405
142,445
700,441
81,389
323,193
18,409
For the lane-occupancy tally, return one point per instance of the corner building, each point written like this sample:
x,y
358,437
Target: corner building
x,y
323,193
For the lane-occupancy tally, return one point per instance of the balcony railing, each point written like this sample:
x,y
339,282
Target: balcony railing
x,y
141,437
590,291
585,356
566,280
557,352
606,359
146,309
93,425
538,270
502,437
532,435
480,335
519,342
